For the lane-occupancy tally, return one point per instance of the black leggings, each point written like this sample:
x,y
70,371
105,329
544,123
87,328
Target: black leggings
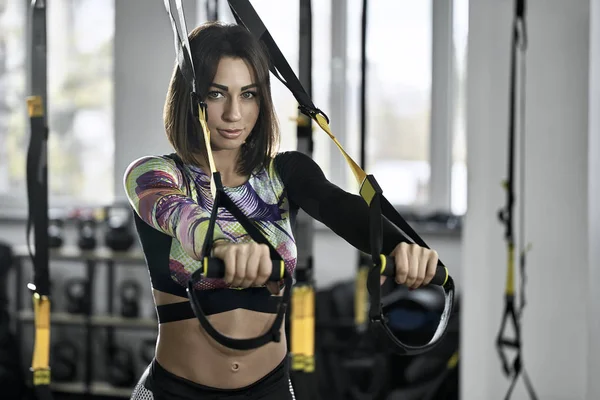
x,y
157,383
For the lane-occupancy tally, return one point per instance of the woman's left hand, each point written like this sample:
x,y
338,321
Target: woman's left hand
x,y
415,265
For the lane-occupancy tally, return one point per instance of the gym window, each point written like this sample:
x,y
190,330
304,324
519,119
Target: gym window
x,y
416,135
416,130
80,105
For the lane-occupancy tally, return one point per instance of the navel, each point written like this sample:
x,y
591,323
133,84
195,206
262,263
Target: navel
x,y
235,367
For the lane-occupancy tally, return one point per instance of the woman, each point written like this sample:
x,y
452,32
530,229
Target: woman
x,y
172,201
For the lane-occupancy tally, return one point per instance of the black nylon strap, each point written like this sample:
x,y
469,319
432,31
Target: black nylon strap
x,y
182,45
246,16
279,65
184,59
37,196
250,228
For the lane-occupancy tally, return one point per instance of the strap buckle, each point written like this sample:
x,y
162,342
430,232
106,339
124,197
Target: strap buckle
x,y
312,112
197,105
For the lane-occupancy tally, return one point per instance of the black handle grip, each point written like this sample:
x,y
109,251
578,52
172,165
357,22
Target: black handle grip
x,y
440,278
215,268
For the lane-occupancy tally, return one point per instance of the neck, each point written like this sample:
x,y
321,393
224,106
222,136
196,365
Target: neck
x,y
226,164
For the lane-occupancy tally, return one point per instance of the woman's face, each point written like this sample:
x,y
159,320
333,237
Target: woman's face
x,y
232,104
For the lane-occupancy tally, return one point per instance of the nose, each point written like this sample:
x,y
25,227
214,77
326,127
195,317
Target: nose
x,y
232,112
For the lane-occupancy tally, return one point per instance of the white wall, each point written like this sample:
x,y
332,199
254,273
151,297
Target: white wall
x,y
144,60
593,384
555,327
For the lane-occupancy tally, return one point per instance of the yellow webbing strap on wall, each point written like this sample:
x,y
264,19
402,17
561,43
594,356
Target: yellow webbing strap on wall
x,y
40,364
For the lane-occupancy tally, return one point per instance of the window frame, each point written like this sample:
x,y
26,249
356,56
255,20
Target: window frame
x,y
442,104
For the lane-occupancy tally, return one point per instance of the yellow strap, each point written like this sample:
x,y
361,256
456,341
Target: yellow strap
x,y
41,349
35,106
296,321
453,361
361,296
309,329
366,190
359,174
510,272
211,161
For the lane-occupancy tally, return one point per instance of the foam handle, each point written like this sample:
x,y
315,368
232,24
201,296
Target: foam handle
x,y
216,269
439,279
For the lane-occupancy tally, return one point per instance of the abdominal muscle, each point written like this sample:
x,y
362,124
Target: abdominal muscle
x,y
186,350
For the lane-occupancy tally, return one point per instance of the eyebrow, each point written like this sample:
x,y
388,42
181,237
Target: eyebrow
x,y
225,88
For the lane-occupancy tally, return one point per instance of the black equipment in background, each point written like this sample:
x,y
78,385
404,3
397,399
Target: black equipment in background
x,y
12,381
130,292
121,367
64,361
119,228
55,233
86,228
77,294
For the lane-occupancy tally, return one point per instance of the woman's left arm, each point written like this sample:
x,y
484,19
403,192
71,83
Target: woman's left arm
x,y
347,215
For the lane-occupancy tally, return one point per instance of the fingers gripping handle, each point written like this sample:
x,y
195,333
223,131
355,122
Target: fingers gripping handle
x,y
215,268
388,268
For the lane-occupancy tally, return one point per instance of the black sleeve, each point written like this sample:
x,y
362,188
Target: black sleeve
x,y
344,213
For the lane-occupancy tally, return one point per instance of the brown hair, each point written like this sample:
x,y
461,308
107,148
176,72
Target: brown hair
x,y
209,43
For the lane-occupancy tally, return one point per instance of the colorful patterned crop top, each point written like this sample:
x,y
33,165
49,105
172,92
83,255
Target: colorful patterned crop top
x,y
172,213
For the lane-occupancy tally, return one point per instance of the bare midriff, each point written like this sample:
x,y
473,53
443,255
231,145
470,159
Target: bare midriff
x,y
186,350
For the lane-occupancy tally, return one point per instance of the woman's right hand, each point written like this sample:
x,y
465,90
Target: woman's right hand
x,y
246,264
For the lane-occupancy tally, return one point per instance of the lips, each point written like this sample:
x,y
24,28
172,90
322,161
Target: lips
x,y
230,133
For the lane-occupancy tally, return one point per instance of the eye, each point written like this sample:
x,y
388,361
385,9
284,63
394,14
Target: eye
x,y
214,95
249,95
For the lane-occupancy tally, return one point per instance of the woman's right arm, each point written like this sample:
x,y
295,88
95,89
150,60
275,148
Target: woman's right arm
x,y
154,188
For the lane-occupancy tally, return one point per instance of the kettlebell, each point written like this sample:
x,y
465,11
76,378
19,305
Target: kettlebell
x,y
87,233
130,294
121,368
119,224
64,361
55,233
76,290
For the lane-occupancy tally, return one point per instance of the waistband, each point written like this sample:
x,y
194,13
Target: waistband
x,y
168,385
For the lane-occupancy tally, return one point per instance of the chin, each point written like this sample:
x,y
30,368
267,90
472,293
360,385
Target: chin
x,y
227,145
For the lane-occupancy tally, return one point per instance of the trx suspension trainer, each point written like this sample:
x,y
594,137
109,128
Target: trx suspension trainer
x,y
361,297
519,44
302,313
37,194
370,191
214,267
